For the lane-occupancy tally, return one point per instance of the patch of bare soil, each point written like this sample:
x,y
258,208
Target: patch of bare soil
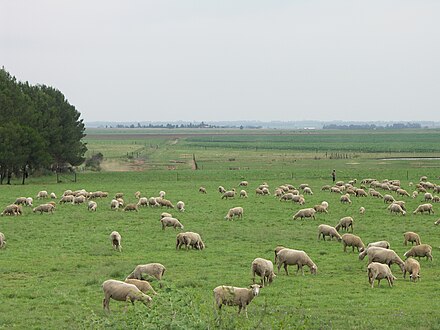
x,y
116,165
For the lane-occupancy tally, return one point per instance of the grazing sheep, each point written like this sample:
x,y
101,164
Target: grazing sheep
x,y
345,199
243,183
258,191
400,203
412,266
235,211
422,250
92,206
143,201
362,210
137,194
278,249
396,208
78,200
221,189
320,208
131,207
121,291
143,286
361,193
44,208
382,244
325,204
114,204
326,230
243,194
325,187
180,206
307,191
378,271
119,195
66,199
298,199
412,237
388,199
20,201
52,195
300,258
165,214
287,197
152,201
29,201
189,239
402,192
305,213
335,190
170,222
115,238
202,190
265,191
165,202
142,272
345,223
12,209
2,241
415,194
162,194
437,222
42,194
353,241
233,296
428,197
424,208
385,256
264,269
374,193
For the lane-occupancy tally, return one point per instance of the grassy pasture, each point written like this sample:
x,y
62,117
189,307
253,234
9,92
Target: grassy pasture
x,y
53,266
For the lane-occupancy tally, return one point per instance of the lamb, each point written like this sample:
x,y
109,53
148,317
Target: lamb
x,y
144,286
353,241
235,211
142,272
345,199
170,222
44,208
424,208
305,213
180,206
396,208
265,191
326,230
388,199
401,204
264,269
412,237
91,206
233,296
137,194
325,204
143,201
320,208
335,190
66,199
42,194
2,241
298,199
414,194
131,207
412,266
422,250
121,291
385,256
362,210
189,239
115,238
379,271
295,257
345,223
243,194
12,209
202,190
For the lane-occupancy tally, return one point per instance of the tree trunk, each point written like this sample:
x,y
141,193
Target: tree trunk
x,y
24,174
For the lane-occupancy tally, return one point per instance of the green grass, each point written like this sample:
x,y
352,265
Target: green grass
x,y
53,266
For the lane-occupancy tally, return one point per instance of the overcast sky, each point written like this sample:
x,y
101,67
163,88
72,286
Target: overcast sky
x,y
229,59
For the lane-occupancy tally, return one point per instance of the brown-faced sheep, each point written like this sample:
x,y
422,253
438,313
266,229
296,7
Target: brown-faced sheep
x,y
300,258
424,208
422,250
264,269
353,241
412,266
121,291
170,222
233,296
326,230
345,223
202,190
378,271
412,237
116,238
305,213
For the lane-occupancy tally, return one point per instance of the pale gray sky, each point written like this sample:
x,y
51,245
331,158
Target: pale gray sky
x,y
229,59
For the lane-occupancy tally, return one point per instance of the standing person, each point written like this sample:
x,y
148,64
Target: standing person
x,y
334,175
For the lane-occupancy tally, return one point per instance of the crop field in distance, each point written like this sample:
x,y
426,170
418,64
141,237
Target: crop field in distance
x,y
53,266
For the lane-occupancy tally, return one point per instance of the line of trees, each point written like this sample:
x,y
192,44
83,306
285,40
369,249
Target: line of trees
x,y
372,126
38,129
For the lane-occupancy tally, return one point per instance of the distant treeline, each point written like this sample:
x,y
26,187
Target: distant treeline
x,y
372,126
171,126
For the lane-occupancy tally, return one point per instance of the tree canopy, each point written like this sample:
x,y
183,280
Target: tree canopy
x,y
39,128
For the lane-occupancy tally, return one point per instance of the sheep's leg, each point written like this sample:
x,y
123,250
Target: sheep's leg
x,y
285,268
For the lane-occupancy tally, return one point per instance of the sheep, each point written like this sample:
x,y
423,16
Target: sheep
x,y
345,223
412,237
374,193
202,190
143,201
165,202
422,250
258,191
66,199
152,201
121,291
234,296
427,197
414,194
91,206
2,241
137,194
345,199
396,208
361,193
114,204
307,191
437,222
243,194
277,249
305,213
165,214
44,208
235,211
382,244
353,241
180,206
379,271
287,197
52,195
229,194
12,209
382,255
115,238
400,203
189,239
264,269
325,187
402,192
162,194
298,199
20,201
320,208
388,199
29,201
221,189
326,230
295,257
424,208
325,204
243,183
362,210
142,272
335,190
143,286
42,194
170,222
265,191
119,195
131,207
78,200
436,199
412,266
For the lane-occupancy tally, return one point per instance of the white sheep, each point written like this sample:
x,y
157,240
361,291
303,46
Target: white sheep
x,y
422,250
320,208
379,254
234,296
29,201
143,272
78,200
362,210
234,212
305,213
121,291
345,223
300,258
353,241
44,208
264,269
52,195
378,271
428,197
143,201
170,222
12,209
131,207
307,191
229,194
142,285
162,194
116,238
92,206
180,206
221,189
20,201
412,237
2,240
66,199
189,239
278,249
345,199
42,194
396,208
165,214
424,208
382,244
412,266
243,183
114,204
388,199
326,230
243,194
202,190
165,202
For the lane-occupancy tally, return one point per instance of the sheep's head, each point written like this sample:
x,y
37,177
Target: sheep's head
x,y
414,276
314,270
255,289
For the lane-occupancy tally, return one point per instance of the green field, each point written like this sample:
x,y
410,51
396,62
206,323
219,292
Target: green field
x,y
53,266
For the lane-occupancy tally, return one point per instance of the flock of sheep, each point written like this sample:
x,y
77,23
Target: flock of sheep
x,y
380,256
